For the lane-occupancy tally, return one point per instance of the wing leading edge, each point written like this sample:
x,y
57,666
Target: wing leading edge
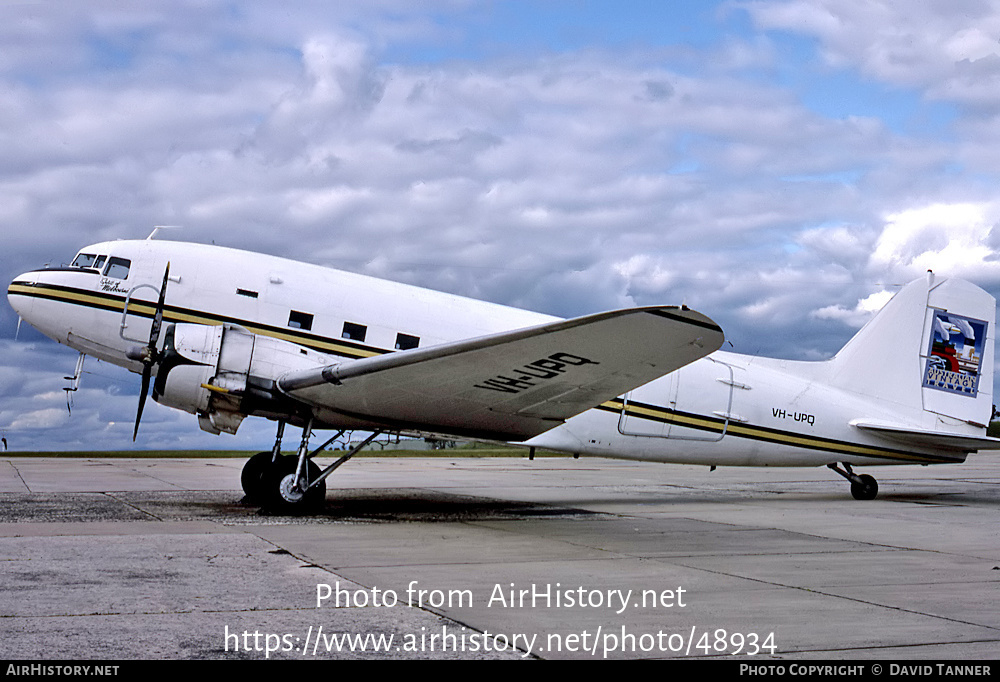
x,y
513,385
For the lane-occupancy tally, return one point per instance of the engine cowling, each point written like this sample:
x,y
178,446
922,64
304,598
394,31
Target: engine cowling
x,y
225,373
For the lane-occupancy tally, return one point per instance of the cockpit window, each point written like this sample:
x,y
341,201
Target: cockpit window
x,y
89,260
84,260
118,268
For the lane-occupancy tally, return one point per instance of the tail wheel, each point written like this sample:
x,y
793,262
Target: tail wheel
x,y
866,488
863,487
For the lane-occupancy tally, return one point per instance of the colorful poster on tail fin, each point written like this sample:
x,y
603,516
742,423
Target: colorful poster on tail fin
x,y
955,354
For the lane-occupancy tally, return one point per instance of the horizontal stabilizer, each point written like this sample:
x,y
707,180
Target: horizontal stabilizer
x,y
927,438
512,385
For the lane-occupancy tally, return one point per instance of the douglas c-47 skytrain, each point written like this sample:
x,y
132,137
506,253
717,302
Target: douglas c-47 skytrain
x,y
226,334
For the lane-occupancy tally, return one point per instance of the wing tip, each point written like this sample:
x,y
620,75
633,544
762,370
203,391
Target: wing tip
x,y
686,316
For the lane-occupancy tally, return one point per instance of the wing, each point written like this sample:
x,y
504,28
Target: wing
x,y
513,385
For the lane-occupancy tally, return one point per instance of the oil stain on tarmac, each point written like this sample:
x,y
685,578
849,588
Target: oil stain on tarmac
x,y
227,508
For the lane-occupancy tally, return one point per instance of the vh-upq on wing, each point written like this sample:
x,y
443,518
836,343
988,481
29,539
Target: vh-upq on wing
x,y
227,334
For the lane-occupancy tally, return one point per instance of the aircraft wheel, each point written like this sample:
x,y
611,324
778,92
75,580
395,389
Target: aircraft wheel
x,y
866,489
317,495
253,476
281,493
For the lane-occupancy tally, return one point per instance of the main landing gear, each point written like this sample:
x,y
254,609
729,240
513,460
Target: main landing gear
x,y
863,487
292,484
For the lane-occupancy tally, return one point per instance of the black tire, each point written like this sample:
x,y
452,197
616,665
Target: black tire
x,y
867,489
316,497
253,476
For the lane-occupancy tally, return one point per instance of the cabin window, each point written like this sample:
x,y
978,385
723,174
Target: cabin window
x,y
249,294
297,320
99,263
354,332
406,342
118,268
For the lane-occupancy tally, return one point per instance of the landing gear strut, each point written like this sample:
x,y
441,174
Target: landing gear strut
x,y
863,487
295,484
292,483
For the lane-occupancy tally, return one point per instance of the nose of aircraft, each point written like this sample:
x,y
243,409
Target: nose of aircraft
x,y
18,295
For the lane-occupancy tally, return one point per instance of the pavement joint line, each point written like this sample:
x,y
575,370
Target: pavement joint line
x,y
21,477
132,506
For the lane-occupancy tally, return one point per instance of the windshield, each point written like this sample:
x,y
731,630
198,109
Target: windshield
x,y
85,260
117,267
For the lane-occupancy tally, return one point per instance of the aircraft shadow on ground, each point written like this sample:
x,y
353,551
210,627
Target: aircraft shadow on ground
x,y
375,505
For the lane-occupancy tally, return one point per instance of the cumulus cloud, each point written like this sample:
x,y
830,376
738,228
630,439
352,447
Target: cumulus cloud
x,y
861,313
957,240
950,50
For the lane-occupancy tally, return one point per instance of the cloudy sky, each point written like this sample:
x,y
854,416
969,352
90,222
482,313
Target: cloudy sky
x,y
780,165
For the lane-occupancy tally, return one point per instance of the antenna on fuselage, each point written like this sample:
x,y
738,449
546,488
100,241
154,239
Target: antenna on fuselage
x,y
157,228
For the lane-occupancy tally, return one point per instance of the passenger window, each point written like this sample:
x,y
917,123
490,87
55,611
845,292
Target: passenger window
x,y
297,320
354,332
406,342
118,268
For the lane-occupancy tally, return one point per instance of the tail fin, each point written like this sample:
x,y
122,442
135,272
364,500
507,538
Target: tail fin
x,y
929,349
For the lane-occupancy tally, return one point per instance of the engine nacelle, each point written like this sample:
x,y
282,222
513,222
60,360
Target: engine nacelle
x,y
225,373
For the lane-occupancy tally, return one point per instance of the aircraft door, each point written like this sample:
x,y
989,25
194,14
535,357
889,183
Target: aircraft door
x,y
698,404
704,407
642,409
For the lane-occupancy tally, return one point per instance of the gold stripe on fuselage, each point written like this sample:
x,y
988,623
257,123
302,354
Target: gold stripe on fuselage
x,y
140,308
717,425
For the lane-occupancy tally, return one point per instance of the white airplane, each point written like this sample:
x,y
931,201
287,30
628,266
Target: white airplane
x,y
229,334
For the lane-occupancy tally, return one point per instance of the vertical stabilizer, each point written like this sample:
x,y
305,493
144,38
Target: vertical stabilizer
x,y
929,349
957,364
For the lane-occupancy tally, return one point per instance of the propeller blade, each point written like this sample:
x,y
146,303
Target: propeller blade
x,y
147,370
152,357
154,329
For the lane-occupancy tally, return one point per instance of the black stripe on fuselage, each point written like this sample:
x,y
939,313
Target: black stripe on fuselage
x,y
765,434
104,301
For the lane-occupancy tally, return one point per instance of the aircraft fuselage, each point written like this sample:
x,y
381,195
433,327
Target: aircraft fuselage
x,y
725,409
